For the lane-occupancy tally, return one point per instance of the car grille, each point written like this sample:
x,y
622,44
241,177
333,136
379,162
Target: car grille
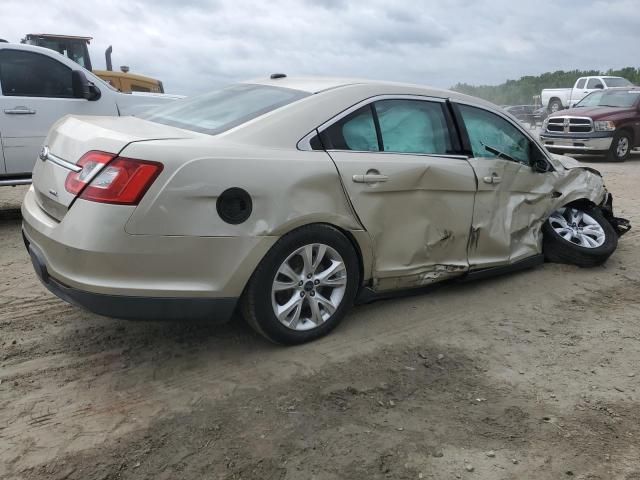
x,y
569,125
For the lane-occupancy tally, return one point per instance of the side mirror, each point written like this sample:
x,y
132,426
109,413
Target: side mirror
x,y
599,86
540,165
538,162
83,88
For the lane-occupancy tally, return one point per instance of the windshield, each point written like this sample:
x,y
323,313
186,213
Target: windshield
x,y
221,110
617,82
610,98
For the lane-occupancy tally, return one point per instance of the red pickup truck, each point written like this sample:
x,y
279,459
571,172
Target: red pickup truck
x,y
603,122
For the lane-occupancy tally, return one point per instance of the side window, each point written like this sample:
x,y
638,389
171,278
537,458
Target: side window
x,y
593,83
315,143
581,83
413,126
29,74
139,88
490,133
356,131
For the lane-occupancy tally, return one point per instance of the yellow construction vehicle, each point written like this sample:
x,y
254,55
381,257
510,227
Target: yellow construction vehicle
x,y
76,48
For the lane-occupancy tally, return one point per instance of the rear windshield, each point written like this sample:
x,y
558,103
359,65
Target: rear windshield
x,y
617,82
610,98
221,110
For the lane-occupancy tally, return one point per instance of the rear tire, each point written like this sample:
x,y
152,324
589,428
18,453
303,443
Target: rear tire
x,y
564,237
303,287
620,147
555,105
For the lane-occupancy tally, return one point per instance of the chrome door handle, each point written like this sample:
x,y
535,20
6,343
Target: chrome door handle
x,y
493,179
19,111
370,178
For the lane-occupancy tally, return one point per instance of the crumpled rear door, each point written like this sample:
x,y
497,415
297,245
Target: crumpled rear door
x,y
418,214
412,193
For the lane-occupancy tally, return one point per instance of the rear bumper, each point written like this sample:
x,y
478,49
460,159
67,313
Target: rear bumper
x,y
218,309
576,144
89,260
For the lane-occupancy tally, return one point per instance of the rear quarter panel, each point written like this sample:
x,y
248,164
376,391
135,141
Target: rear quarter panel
x,y
288,188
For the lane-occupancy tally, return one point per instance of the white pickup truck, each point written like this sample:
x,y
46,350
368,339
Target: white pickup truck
x,y
38,86
559,98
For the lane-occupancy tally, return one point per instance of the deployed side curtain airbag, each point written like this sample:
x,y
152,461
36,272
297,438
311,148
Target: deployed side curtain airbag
x,y
360,133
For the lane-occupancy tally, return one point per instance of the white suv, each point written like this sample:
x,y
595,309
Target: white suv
x,y
38,86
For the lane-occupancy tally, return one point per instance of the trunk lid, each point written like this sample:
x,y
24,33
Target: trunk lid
x,y
74,136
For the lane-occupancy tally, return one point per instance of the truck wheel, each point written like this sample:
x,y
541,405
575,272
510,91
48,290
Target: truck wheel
x,y
620,147
579,236
555,105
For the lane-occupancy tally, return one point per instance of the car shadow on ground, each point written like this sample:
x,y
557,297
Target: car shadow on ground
x,y
141,342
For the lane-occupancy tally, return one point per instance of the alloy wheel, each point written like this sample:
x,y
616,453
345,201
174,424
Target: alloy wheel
x,y
577,227
308,287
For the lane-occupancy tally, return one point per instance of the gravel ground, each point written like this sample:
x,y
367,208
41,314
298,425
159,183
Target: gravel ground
x,y
530,375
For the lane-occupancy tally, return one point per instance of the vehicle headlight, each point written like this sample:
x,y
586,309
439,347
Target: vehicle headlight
x,y
604,126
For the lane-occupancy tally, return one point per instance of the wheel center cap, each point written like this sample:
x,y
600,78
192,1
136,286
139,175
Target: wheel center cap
x,y
308,286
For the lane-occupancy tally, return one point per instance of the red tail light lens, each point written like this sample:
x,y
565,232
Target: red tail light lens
x,y
124,181
91,163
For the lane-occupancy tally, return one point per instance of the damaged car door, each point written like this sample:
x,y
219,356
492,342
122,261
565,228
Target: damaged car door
x,y
515,188
413,191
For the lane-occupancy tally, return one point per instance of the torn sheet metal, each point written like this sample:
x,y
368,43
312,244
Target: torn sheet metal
x,y
433,274
508,217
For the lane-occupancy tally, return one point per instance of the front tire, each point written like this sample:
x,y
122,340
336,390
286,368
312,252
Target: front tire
x,y
303,287
620,147
578,236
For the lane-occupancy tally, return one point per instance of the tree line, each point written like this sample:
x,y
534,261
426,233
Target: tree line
x,y
521,92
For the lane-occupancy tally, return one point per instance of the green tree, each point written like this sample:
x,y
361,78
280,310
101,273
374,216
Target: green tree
x,y
522,91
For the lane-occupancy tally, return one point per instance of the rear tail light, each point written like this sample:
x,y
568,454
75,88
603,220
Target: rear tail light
x,y
117,180
91,163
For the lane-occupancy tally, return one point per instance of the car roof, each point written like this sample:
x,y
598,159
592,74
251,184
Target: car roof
x,y
314,85
321,84
42,50
306,84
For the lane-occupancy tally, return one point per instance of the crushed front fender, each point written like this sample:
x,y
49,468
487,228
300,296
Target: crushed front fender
x,y
620,225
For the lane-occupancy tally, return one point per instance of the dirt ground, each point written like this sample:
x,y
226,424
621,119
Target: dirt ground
x,y
531,375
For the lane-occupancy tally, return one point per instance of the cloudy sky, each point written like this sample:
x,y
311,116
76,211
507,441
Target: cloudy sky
x,y
198,45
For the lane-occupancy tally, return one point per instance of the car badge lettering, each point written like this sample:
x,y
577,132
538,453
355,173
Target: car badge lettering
x,y
566,125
